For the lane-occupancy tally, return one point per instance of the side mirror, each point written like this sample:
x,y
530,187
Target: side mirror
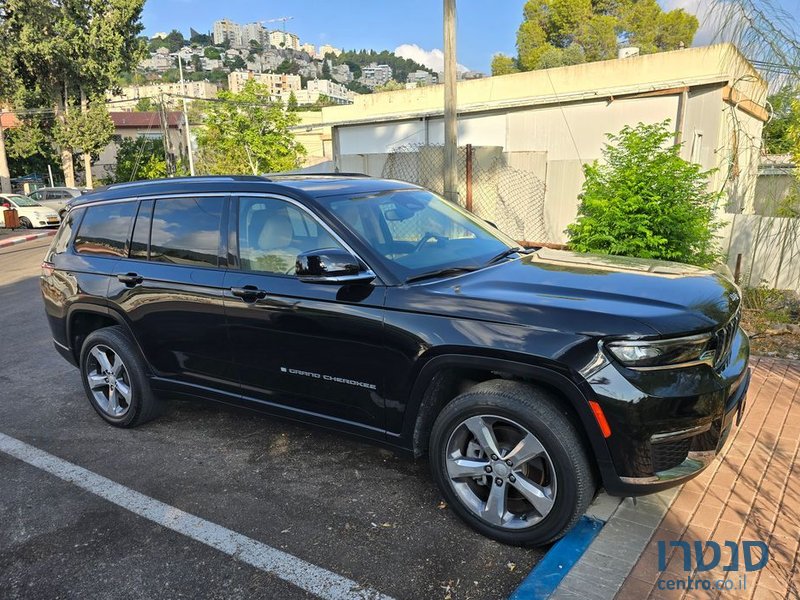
x,y
331,265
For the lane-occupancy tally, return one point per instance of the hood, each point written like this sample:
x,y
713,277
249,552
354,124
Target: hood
x,y
592,294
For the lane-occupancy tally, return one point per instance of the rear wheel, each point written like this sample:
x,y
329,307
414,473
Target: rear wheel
x,y
115,378
511,463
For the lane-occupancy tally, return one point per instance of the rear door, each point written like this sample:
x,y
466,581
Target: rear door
x,y
313,350
169,287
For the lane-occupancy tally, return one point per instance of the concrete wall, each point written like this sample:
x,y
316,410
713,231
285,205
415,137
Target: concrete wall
x,y
770,249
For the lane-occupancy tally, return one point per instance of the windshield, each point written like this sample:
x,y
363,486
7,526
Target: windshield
x,y
22,200
418,232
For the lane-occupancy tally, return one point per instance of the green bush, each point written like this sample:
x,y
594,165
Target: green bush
x,y
644,200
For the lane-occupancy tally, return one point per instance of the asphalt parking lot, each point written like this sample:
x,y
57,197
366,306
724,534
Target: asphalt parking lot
x,y
350,508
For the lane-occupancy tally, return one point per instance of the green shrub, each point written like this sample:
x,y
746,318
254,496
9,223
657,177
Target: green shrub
x,y
644,200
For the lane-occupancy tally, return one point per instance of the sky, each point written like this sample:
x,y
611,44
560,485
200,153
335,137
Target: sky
x,y
415,26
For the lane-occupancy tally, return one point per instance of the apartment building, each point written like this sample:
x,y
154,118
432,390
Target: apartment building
x,y
375,75
276,83
227,31
284,39
328,49
254,32
172,92
335,91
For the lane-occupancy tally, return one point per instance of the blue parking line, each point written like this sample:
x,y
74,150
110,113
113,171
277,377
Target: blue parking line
x,y
548,573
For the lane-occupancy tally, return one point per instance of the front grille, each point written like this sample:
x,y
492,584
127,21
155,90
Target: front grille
x,y
669,454
724,338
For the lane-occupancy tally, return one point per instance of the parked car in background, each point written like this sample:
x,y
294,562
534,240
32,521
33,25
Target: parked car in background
x,y
57,197
31,213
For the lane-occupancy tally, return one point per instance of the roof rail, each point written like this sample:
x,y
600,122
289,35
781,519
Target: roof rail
x,y
199,179
301,174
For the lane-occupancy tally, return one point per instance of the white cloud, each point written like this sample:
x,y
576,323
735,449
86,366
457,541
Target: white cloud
x,y
433,59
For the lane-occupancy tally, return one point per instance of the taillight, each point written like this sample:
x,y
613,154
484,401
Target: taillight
x,y
47,268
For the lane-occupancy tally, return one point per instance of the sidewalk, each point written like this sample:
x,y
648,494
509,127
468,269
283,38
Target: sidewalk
x,y
751,493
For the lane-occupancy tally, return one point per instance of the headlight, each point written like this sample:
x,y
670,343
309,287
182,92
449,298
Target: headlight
x,y
665,354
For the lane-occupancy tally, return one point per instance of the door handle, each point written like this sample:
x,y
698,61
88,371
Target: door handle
x,y
248,293
131,279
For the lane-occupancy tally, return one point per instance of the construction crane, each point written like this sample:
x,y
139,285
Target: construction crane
x,y
283,20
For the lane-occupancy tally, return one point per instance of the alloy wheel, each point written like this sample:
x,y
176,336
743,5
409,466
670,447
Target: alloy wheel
x,y
501,472
109,381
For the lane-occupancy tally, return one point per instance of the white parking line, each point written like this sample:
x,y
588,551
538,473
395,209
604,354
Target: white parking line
x,y
313,579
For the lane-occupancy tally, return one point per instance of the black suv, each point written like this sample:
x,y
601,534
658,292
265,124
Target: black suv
x,y
530,378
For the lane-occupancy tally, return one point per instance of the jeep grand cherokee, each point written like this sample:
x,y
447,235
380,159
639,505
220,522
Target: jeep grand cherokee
x,y
529,378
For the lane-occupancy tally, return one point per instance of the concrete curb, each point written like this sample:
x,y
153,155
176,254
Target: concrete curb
x,y
609,559
548,574
27,238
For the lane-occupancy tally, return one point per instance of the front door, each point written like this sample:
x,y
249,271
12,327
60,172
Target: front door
x,y
307,349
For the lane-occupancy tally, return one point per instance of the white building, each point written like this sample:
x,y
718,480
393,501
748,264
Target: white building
x,y
309,49
276,83
286,40
420,77
253,32
335,91
375,75
171,92
328,49
160,61
227,31
550,123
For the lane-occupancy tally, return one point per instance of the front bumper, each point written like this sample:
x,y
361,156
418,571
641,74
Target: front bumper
x,y
667,426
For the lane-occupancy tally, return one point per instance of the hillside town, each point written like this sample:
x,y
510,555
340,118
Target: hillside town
x,y
232,53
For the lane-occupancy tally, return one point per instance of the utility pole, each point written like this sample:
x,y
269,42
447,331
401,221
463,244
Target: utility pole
x,y
450,103
5,176
186,119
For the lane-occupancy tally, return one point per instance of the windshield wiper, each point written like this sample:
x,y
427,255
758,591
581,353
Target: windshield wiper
x,y
441,273
507,252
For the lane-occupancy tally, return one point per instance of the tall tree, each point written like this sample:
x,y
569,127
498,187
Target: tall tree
x,y
64,55
563,32
503,64
248,133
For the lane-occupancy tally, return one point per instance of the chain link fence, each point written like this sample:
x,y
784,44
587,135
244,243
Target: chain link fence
x,y
510,198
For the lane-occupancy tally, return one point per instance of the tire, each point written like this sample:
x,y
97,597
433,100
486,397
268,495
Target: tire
x,y
111,381
25,223
556,473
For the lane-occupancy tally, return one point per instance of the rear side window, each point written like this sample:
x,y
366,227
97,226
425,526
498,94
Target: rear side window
x,y
64,235
186,231
104,230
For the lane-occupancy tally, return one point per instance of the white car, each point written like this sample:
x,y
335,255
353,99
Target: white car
x,y
31,213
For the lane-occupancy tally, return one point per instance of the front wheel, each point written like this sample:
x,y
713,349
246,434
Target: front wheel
x,y
25,223
511,463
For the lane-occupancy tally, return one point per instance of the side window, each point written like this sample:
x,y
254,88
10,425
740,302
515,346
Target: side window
x,y
140,240
186,231
64,234
104,230
36,196
273,232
